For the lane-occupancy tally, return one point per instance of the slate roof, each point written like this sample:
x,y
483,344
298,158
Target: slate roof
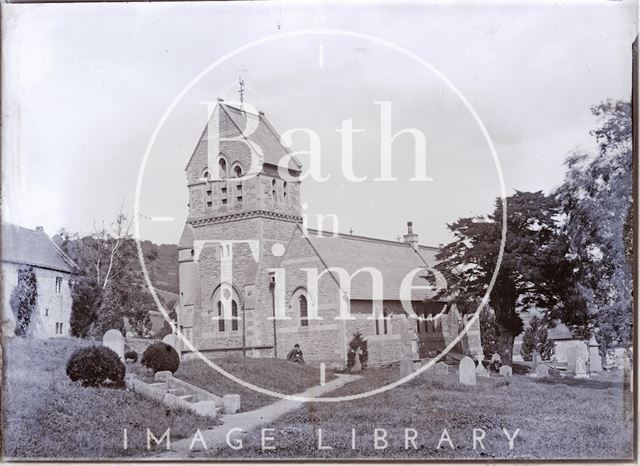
x,y
560,332
393,259
265,136
33,247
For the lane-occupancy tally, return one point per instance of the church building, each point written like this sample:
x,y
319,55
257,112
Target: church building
x,y
252,226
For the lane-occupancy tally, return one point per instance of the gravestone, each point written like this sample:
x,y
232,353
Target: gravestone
x,y
496,362
595,361
572,357
467,372
406,367
481,371
542,370
231,404
535,360
357,366
581,369
409,359
172,340
441,368
506,371
114,340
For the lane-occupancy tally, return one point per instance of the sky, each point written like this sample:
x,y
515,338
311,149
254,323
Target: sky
x,y
85,86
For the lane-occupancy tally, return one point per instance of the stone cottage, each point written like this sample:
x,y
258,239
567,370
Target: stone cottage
x,y
251,227
24,248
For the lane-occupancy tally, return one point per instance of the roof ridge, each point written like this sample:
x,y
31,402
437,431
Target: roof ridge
x,y
328,234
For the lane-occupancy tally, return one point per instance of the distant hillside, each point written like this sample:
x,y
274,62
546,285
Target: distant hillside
x,y
162,265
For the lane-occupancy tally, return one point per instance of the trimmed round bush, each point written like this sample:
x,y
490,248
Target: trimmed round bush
x,y
131,355
96,366
161,357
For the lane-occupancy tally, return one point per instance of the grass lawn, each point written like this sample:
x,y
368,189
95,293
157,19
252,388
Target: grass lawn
x,y
277,375
47,416
557,418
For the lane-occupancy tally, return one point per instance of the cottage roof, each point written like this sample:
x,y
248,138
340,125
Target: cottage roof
x,y
560,332
33,247
393,259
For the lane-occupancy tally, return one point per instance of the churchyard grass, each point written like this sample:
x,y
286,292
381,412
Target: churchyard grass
x,y
276,375
557,418
48,416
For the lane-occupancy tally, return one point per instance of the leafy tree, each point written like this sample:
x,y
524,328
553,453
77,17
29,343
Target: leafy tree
x,y
23,299
84,307
535,338
110,285
596,200
531,270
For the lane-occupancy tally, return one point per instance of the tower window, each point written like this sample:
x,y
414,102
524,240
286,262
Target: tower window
x,y
58,285
222,167
304,315
273,190
237,170
209,199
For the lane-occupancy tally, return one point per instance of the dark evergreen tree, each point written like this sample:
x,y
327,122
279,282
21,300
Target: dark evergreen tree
x,y
23,299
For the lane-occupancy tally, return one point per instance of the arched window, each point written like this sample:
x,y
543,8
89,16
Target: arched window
x,y
220,317
237,170
222,167
206,174
273,190
304,313
234,315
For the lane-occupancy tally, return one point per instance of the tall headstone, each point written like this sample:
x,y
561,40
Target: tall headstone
x,y
595,360
581,369
535,360
572,358
409,347
506,371
114,340
467,371
172,340
357,366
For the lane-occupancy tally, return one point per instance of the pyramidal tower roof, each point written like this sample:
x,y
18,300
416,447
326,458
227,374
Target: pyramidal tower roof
x,y
233,120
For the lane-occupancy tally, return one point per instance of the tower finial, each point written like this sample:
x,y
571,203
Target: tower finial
x,y
241,90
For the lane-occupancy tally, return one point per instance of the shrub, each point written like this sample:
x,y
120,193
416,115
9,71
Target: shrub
x,y
96,366
131,355
535,338
161,357
357,341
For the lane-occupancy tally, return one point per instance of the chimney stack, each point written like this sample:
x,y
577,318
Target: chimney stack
x,y
411,238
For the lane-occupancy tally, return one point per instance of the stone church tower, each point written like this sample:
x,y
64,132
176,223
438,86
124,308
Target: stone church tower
x,y
225,211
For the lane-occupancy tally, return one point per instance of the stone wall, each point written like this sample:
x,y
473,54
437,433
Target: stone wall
x,y
53,306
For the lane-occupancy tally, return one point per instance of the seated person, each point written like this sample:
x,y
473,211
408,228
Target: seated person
x,y
295,355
